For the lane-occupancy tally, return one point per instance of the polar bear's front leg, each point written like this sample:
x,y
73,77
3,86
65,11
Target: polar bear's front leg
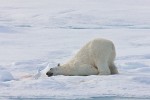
x,y
103,68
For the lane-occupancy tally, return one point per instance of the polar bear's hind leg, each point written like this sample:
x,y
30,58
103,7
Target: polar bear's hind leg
x,y
113,69
103,69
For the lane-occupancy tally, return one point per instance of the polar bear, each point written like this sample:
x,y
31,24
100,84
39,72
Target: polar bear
x,y
95,58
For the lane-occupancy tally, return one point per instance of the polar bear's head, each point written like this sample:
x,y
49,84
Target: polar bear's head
x,y
53,71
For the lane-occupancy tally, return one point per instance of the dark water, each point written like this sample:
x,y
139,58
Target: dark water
x,y
93,98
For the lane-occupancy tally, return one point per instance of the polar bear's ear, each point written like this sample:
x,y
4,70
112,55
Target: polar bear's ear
x,y
58,64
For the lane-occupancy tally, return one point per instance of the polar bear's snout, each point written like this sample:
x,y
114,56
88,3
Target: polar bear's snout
x,y
49,73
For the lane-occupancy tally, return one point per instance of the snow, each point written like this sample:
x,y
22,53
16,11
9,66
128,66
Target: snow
x,y
35,36
5,76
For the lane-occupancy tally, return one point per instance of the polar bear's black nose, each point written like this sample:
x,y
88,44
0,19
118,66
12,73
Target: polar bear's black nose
x,y
49,74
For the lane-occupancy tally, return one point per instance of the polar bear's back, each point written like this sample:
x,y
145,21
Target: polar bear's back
x,y
101,44
101,48
96,49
